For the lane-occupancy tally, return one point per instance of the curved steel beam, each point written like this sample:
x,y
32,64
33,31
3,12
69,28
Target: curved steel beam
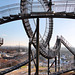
x,y
19,16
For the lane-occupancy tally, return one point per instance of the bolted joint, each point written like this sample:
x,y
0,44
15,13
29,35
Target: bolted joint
x,y
30,40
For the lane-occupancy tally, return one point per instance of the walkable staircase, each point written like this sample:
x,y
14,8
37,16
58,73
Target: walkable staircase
x,y
67,45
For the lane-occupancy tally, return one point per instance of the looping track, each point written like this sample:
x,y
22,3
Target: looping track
x,y
29,31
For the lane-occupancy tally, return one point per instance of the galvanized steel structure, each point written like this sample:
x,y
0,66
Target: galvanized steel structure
x,y
47,9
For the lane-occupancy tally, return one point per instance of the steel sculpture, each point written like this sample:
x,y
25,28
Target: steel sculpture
x,y
49,11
